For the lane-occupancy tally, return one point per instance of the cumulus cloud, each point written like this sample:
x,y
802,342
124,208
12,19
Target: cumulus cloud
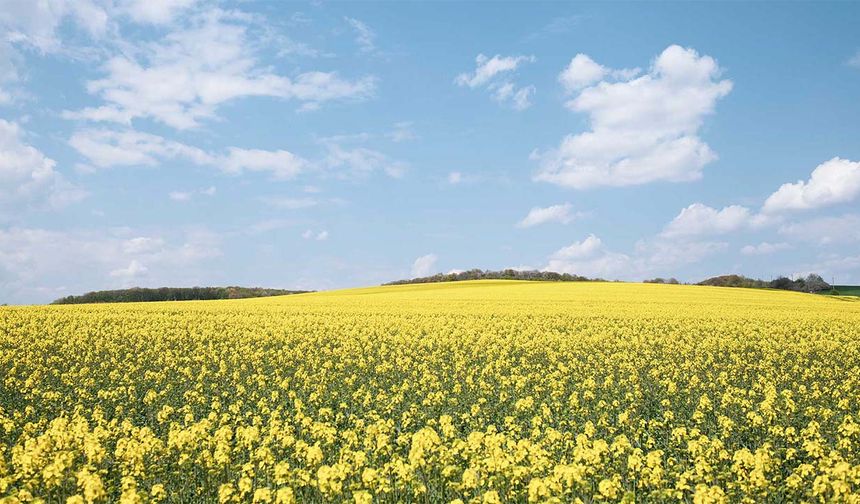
x,y
699,219
664,256
487,74
31,269
455,177
28,178
581,72
423,266
555,213
195,69
133,270
657,256
643,129
765,248
824,231
832,182
589,258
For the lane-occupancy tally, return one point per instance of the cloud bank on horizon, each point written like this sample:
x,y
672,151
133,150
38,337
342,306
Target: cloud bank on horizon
x,y
315,146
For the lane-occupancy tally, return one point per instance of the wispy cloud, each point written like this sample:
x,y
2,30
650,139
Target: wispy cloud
x,y
364,35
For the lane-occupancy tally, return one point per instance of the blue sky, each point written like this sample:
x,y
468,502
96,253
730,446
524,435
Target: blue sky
x,y
328,145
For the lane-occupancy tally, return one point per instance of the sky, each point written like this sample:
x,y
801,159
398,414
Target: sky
x,y
327,145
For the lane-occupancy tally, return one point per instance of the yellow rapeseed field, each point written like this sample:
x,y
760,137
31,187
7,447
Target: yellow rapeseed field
x,y
486,391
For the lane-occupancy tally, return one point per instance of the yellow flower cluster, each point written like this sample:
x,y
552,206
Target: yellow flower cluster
x,y
480,392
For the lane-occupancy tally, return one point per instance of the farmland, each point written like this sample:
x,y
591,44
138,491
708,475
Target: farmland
x,y
846,290
489,391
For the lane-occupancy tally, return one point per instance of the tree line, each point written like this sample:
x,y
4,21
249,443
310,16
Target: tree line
x,y
811,283
140,294
506,274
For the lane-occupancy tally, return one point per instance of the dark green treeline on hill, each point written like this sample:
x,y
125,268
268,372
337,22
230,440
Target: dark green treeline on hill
x,y
138,294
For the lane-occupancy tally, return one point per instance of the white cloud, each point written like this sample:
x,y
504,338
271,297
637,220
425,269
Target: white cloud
x,y
183,196
36,23
319,236
588,258
156,11
580,250
764,248
832,182
187,76
106,148
423,266
488,68
364,36
662,256
503,91
180,196
359,162
28,177
825,231
699,219
555,213
643,129
142,245
32,269
581,72
520,99
455,178
840,269
658,256
280,163
134,270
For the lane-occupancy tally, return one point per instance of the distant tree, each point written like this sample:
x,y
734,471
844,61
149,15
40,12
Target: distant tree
x,y
814,283
661,280
783,283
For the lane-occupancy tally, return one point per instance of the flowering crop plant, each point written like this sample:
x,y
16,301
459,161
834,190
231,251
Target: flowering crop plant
x,y
489,391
